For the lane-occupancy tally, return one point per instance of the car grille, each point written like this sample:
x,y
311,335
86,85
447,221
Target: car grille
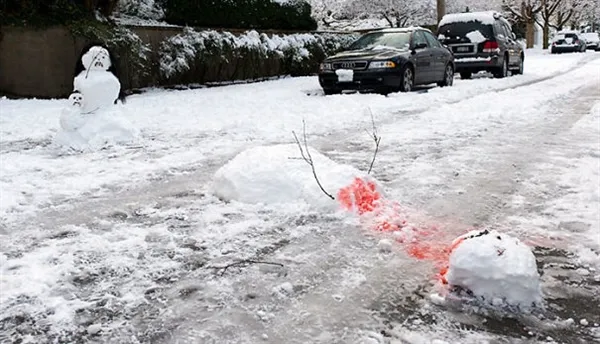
x,y
355,65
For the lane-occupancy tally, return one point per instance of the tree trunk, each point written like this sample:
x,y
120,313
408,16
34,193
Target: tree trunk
x,y
530,34
546,34
441,9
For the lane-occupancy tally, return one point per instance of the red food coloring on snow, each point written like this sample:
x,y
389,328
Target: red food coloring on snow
x,y
360,194
425,243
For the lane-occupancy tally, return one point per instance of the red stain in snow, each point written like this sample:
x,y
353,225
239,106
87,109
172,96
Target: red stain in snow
x,y
423,243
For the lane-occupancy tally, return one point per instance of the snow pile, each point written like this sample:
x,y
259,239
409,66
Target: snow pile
x,y
279,174
496,268
94,131
485,17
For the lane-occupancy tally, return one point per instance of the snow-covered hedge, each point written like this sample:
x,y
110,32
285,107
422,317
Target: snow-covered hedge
x,y
143,9
206,56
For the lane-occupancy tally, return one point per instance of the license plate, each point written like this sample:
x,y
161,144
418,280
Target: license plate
x,y
345,75
462,49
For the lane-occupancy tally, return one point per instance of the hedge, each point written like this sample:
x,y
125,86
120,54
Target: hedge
x,y
208,56
40,13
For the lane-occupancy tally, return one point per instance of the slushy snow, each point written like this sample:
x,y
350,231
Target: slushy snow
x,y
495,267
279,174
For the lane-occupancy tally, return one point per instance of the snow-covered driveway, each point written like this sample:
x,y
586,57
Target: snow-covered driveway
x,y
124,245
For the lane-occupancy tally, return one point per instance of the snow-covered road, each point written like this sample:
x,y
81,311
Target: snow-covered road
x,y
123,245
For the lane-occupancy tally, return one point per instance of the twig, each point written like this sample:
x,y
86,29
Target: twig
x,y
375,138
242,262
308,157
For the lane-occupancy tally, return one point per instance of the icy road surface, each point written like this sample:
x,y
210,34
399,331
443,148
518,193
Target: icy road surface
x,y
126,245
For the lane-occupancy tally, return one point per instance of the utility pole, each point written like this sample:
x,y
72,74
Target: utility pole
x,y
441,9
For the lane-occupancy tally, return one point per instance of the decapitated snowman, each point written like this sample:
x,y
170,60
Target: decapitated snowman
x,y
496,268
91,120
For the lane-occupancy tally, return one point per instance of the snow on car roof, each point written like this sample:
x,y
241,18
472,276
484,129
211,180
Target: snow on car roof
x,y
401,29
485,17
562,32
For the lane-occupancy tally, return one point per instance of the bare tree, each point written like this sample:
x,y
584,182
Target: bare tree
x,y
526,11
397,13
547,13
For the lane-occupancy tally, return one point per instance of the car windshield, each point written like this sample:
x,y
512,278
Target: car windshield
x,y
460,30
397,40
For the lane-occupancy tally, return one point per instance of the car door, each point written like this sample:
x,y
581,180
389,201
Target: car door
x,y
512,47
438,63
423,57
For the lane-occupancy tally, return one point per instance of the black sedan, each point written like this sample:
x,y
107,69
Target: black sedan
x,y
388,60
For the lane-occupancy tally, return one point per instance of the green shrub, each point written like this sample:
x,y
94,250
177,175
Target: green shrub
x,y
208,56
243,14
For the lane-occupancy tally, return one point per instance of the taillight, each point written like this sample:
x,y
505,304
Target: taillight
x,y
490,46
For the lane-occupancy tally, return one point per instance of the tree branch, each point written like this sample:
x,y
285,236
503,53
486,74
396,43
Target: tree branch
x,y
388,19
308,157
242,262
376,139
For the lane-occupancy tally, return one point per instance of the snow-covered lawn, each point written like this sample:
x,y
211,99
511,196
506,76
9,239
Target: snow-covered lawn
x,y
124,245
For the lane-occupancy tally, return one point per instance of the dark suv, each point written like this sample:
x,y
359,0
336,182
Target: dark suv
x,y
481,41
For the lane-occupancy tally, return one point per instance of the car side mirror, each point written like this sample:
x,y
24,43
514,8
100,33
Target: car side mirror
x,y
421,46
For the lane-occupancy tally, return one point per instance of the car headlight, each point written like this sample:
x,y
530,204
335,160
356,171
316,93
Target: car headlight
x,y
325,66
382,64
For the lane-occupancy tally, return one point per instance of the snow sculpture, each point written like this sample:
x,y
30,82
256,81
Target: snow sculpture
x,y
494,267
91,120
279,174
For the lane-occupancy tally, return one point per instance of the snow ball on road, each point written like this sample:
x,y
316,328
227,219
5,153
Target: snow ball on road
x,y
385,245
278,174
495,266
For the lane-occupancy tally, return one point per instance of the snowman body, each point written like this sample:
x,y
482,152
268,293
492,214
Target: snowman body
x,y
99,88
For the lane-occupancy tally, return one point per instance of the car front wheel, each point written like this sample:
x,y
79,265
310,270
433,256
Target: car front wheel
x,y
448,77
407,82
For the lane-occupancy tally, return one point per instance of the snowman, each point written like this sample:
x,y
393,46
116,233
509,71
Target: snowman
x,y
91,120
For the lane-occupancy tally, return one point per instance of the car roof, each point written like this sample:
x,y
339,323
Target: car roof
x,y
485,17
400,29
563,32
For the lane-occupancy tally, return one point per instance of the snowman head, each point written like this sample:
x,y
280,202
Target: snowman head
x,y
76,99
96,58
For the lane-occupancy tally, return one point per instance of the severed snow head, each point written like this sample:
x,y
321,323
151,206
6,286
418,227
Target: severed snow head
x,y
76,99
96,58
